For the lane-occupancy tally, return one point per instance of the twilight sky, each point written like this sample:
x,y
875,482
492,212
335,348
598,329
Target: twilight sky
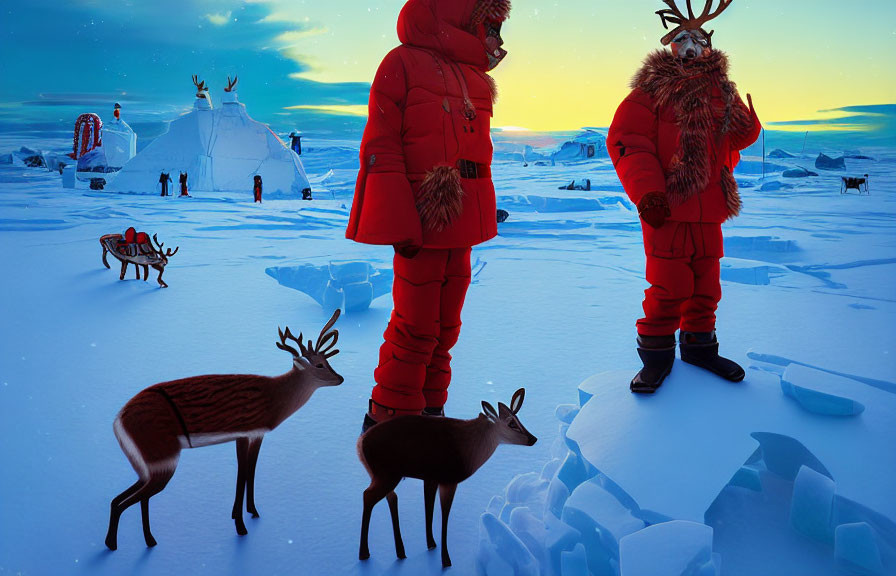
x,y
308,63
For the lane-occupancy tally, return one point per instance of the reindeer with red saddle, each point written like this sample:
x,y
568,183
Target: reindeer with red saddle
x,y
135,248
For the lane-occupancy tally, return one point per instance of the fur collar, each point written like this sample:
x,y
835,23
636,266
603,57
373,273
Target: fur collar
x,y
687,88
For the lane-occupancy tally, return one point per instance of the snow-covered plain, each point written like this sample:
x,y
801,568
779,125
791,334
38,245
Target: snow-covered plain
x,y
810,276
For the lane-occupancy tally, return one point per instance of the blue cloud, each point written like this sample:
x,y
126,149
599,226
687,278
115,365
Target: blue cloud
x,y
865,118
77,55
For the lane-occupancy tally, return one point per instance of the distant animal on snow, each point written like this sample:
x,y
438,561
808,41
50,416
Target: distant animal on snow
x,y
135,248
857,183
156,424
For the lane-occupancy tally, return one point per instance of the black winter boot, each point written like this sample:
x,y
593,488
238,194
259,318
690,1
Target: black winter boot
x,y
658,354
702,350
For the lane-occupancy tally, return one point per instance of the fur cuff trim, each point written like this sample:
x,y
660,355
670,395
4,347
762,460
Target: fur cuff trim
x,y
732,195
441,196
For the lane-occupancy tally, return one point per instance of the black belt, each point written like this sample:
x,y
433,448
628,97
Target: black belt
x,y
471,170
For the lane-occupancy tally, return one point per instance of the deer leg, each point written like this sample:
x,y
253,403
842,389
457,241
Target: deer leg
x,y
124,269
145,272
254,448
144,491
377,490
446,495
242,457
105,251
392,499
137,270
161,282
115,515
429,500
144,513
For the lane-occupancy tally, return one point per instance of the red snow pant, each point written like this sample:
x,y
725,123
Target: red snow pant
x,y
428,292
257,192
683,272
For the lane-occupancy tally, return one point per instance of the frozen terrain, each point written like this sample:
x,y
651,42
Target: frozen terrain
x,y
809,293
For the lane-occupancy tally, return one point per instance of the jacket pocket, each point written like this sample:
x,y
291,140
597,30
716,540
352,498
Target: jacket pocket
x,y
667,241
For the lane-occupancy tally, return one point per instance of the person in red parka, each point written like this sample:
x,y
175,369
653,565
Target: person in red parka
x,y
674,142
256,187
425,188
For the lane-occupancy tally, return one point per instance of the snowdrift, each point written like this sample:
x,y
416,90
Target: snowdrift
x,y
790,470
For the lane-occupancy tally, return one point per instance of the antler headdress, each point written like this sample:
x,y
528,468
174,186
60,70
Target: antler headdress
x,y
689,22
200,86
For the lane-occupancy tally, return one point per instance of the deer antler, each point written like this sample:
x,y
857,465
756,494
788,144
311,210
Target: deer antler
x,y
690,22
196,81
283,346
328,338
166,253
231,83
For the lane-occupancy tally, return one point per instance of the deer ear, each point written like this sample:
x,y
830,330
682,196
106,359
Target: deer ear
x,y
517,402
503,411
489,411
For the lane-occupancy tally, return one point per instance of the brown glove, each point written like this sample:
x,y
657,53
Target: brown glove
x,y
654,209
406,250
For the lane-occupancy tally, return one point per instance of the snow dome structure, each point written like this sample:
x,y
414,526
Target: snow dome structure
x,y
119,141
221,150
103,146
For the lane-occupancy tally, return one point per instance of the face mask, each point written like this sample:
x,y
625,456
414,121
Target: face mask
x,y
690,45
493,43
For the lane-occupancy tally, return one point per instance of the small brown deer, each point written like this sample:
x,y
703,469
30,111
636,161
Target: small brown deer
x,y
443,452
156,424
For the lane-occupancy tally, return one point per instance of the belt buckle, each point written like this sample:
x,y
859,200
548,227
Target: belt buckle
x,y
468,169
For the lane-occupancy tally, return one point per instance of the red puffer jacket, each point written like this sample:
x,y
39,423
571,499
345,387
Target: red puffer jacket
x,y
680,133
429,113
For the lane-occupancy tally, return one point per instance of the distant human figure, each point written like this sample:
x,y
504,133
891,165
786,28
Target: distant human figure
x,y
183,184
306,194
257,188
295,142
164,179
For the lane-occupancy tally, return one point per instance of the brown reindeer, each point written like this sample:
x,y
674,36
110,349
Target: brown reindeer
x,y
139,254
443,452
156,424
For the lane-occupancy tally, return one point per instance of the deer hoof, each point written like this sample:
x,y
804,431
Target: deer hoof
x,y
446,561
430,544
364,555
111,543
400,553
241,528
150,542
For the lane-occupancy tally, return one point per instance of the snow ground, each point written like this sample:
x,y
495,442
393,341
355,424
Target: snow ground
x,y
811,276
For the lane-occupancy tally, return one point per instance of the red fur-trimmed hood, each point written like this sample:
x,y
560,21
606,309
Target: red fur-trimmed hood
x,y
495,10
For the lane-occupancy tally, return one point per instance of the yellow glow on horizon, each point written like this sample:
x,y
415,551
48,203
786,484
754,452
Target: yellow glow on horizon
x,y
341,109
570,62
